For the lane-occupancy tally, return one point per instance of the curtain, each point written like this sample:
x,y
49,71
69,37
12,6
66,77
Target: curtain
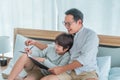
x,y
41,14
103,16
100,15
38,14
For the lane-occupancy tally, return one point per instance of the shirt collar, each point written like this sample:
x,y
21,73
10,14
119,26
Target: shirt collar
x,y
79,30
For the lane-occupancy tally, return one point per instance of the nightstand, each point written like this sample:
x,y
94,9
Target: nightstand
x,y
3,68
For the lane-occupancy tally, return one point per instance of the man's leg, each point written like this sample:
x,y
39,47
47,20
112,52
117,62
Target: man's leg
x,y
85,76
22,62
50,77
63,76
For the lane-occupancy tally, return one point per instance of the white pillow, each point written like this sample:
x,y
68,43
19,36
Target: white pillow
x,y
114,73
104,65
19,45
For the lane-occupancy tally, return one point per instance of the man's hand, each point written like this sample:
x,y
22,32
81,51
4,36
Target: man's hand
x,y
57,70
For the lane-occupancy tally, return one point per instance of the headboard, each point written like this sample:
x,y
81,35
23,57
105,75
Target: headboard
x,y
111,42
105,40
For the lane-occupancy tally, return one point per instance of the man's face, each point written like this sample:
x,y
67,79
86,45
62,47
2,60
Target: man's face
x,y
71,25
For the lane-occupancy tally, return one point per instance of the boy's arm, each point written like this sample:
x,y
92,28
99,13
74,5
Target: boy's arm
x,y
35,43
40,45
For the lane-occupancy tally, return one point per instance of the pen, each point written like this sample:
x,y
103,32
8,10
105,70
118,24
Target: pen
x,y
24,51
31,47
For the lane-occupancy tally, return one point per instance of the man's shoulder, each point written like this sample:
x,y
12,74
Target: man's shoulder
x,y
91,34
89,31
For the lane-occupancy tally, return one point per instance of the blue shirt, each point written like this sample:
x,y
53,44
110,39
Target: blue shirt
x,y
84,50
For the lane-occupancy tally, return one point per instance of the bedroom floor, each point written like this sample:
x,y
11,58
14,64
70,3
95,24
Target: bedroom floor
x,y
2,78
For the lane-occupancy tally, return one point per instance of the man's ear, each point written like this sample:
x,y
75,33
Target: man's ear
x,y
79,21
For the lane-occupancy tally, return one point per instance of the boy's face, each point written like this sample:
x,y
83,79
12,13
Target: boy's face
x,y
59,49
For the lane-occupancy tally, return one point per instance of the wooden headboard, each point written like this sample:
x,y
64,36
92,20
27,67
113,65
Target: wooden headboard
x,y
105,40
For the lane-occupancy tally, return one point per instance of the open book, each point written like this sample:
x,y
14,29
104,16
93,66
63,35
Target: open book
x,y
37,63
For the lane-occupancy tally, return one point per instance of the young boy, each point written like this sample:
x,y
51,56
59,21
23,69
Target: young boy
x,y
52,56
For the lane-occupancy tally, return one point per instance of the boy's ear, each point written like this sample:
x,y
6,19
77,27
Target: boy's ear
x,y
65,49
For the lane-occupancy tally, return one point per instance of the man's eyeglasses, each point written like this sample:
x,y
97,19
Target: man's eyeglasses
x,y
68,23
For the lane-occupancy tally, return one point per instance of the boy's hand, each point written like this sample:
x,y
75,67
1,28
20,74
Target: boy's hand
x,y
28,51
30,42
40,59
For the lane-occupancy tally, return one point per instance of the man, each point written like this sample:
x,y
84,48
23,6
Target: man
x,y
83,64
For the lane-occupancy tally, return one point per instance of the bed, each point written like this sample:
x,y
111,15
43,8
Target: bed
x,y
108,54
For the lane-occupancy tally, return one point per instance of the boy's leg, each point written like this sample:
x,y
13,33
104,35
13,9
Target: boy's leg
x,y
22,62
35,74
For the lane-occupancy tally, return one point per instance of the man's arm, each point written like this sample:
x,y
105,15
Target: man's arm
x,y
61,69
75,64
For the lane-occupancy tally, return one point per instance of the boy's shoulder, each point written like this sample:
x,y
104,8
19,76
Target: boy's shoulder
x,y
52,45
66,54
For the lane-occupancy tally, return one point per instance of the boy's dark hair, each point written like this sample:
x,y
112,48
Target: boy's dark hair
x,y
77,14
65,40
